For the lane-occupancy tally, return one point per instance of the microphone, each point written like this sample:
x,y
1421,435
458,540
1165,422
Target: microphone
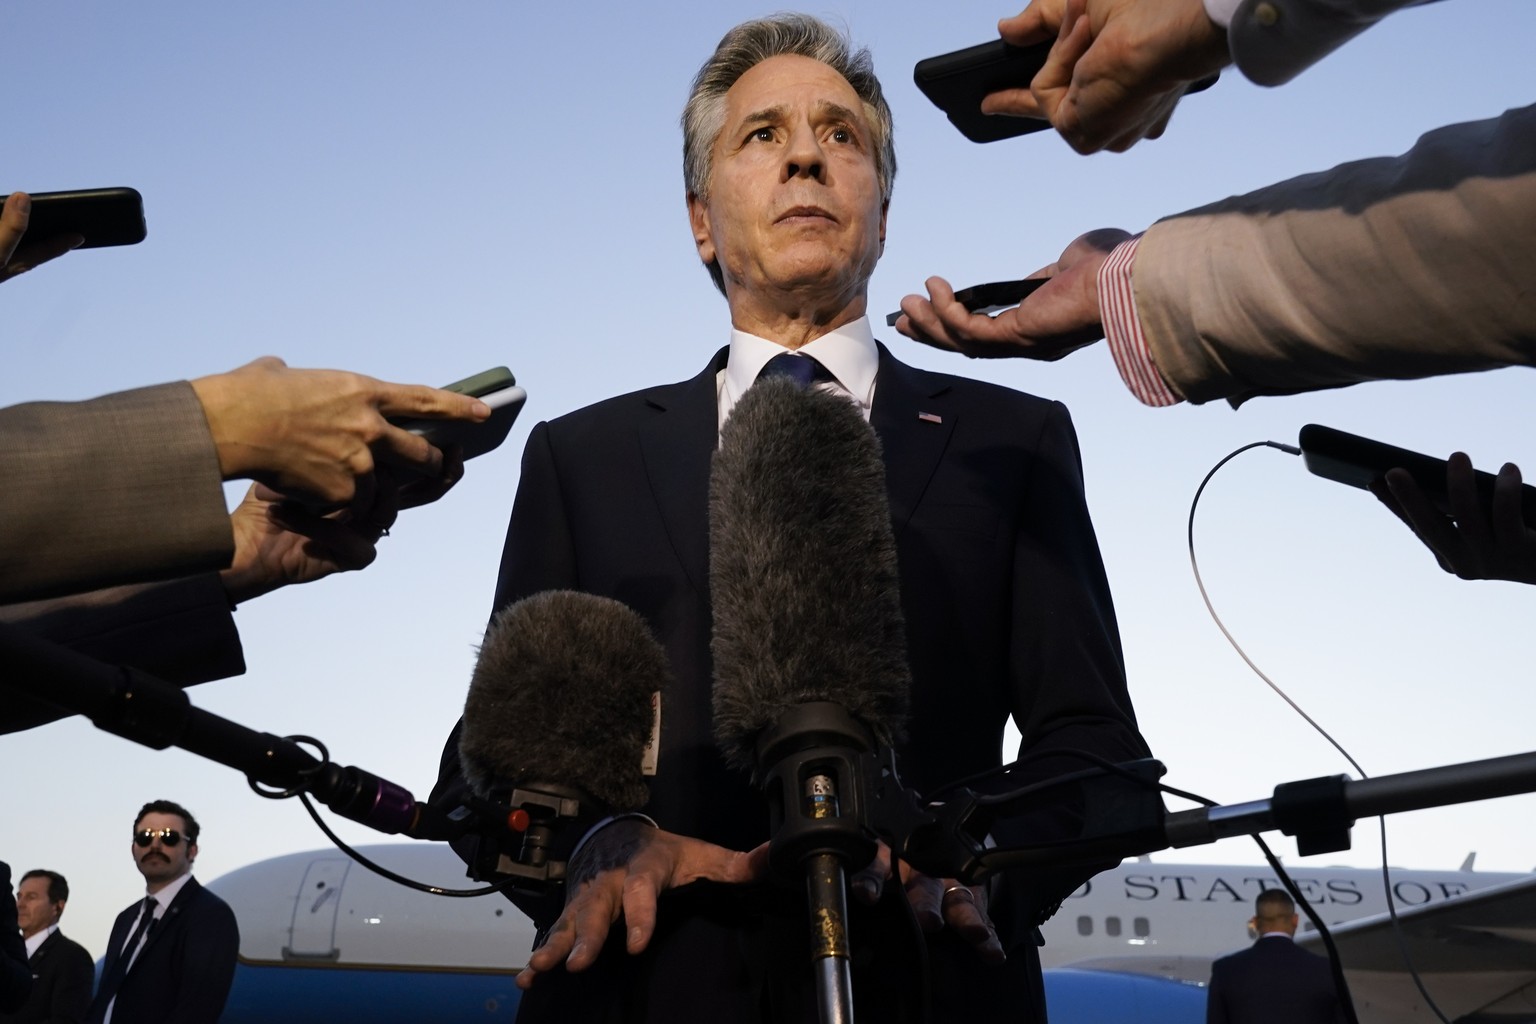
x,y
809,642
561,711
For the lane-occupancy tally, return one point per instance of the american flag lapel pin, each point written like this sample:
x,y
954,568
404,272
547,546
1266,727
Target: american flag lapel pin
x,y
930,417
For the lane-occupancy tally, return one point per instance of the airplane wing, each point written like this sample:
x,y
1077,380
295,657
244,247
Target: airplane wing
x,y
1476,954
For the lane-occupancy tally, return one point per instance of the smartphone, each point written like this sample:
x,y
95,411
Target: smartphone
x,y
498,389
102,216
989,297
1359,461
957,83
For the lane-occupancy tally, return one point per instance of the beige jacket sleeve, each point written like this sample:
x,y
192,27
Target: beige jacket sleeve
x,y
1393,268
124,488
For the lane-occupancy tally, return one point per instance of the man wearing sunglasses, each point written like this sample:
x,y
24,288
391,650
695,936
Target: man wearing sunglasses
x,y
171,957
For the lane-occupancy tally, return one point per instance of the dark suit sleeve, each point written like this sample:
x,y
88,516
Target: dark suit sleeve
x,y
1215,998
182,631
1068,675
15,975
72,992
538,555
120,489
207,966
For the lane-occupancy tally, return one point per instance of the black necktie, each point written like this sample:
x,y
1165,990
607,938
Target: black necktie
x,y
113,979
803,370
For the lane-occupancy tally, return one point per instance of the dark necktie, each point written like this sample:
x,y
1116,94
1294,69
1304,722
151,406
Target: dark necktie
x,y
803,370
113,979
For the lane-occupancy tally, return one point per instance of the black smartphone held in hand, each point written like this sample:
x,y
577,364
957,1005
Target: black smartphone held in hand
x,y
1359,462
957,83
988,298
498,389
102,216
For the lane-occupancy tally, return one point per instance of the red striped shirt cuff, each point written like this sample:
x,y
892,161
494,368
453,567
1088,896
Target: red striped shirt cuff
x,y
1122,329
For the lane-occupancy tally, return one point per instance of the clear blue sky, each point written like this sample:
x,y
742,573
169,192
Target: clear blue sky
x,y
421,191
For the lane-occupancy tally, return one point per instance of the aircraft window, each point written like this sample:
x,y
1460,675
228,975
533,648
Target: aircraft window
x,y
1085,925
1142,927
1112,927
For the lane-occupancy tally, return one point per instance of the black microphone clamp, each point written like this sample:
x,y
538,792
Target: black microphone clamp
x,y
543,824
812,765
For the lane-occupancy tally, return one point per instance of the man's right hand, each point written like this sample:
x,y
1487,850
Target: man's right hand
x,y
623,870
1117,67
313,434
16,258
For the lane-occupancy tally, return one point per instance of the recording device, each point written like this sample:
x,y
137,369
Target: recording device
x,y
102,216
1359,462
989,297
957,83
562,708
809,648
498,389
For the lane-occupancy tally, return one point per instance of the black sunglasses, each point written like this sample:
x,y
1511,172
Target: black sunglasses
x,y
167,836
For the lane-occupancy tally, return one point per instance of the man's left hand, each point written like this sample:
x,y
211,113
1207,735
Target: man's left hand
x,y
938,903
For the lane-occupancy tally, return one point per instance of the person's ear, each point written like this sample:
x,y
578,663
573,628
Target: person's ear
x,y
698,222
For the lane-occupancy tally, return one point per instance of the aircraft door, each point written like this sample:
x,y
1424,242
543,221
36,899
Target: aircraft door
x,y
314,912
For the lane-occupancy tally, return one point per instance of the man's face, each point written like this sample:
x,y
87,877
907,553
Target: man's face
x,y
157,862
794,210
34,911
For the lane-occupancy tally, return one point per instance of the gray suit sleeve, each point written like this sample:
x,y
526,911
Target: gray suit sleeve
x,y
1392,268
1273,41
120,489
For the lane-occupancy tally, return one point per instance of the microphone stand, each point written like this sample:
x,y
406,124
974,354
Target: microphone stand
x,y
154,713
1122,814
809,771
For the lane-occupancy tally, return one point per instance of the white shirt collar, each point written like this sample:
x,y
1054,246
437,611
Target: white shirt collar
x,y
168,893
38,938
849,353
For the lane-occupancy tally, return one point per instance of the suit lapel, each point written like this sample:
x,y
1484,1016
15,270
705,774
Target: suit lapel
x,y
914,420
42,950
167,920
679,430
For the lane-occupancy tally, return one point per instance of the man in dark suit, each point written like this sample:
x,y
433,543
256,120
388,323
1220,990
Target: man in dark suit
x,y
62,971
1274,981
171,957
789,165
15,977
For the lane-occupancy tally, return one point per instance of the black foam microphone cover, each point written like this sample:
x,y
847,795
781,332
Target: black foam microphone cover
x,y
561,694
803,574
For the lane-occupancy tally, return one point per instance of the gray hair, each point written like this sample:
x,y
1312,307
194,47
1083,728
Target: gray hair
x,y
751,43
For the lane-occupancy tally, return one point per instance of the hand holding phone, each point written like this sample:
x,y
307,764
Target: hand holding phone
x,y
101,216
1479,526
498,389
1361,462
957,83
